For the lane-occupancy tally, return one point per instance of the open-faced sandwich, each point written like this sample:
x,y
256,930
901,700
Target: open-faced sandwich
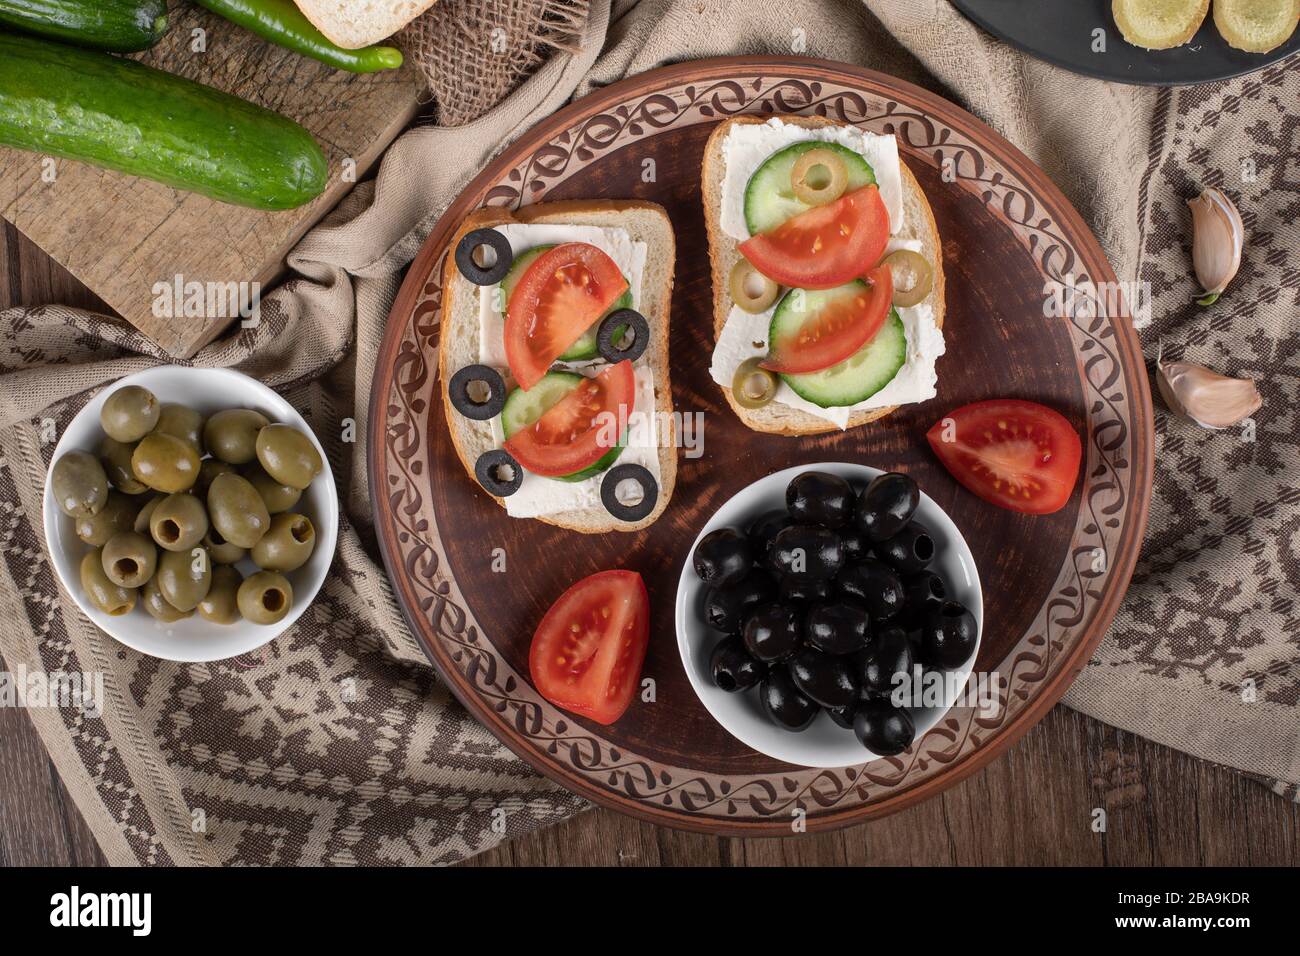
x,y
827,274
554,360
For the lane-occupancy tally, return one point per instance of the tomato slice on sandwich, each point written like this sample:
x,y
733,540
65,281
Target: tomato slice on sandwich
x,y
578,430
587,653
838,330
561,295
824,246
1014,454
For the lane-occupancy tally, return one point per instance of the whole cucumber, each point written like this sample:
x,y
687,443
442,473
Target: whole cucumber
x,y
123,26
122,115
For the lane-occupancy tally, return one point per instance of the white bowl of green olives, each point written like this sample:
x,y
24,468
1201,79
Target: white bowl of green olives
x,y
191,513
808,594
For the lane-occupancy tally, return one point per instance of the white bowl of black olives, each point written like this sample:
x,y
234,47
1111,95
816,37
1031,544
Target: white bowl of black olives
x,y
829,615
191,513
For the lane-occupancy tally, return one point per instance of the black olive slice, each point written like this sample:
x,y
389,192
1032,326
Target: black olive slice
x,y
464,401
630,322
498,472
609,492
470,243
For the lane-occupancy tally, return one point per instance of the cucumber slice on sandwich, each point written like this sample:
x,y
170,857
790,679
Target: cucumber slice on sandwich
x,y
770,198
587,346
525,406
859,376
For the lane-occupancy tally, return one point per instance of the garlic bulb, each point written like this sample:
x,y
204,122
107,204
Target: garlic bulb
x,y
1207,398
1218,238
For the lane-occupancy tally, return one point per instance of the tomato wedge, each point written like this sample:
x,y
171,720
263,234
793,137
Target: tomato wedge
x,y
837,331
1014,454
558,298
580,428
824,246
587,653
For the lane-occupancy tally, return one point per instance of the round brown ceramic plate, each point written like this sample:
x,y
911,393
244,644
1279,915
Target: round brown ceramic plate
x,y
1051,584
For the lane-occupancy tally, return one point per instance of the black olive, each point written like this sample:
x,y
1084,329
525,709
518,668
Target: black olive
x,y
772,632
922,588
910,550
855,544
807,552
842,716
732,667
795,591
764,529
723,557
948,635
458,390
827,679
614,327
785,705
875,584
882,728
816,497
637,509
886,505
889,653
839,628
726,608
470,243
498,472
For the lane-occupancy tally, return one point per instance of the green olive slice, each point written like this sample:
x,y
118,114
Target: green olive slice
x,y
819,177
912,274
750,289
753,386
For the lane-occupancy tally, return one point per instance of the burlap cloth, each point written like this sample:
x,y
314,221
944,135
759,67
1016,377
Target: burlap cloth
x,y
286,769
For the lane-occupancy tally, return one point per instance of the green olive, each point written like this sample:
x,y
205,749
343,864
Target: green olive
x,y
818,177
209,468
265,597
115,456
141,523
237,511
287,544
753,386
151,597
179,522
752,291
103,595
231,435
130,559
118,514
165,463
184,577
80,484
221,550
288,455
129,413
183,422
913,276
276,496
221,605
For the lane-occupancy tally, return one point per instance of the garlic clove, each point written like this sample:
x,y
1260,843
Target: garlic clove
x,y
1218,238
1207,398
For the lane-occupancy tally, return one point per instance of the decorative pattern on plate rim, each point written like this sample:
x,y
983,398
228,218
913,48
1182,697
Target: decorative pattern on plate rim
x,y
1080,582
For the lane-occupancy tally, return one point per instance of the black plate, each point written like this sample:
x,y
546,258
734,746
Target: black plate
x,y
1061,32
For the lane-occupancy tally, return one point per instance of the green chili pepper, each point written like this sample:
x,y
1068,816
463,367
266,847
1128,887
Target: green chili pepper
x,y
282,23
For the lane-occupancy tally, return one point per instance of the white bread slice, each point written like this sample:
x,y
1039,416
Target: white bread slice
x,y
1159,24
459,335
1256,26
724,253
353,24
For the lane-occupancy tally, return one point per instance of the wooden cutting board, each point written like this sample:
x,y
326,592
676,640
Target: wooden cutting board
x,y
121,235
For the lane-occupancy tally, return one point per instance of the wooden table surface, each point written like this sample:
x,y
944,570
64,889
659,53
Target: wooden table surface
x,y
1034,805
